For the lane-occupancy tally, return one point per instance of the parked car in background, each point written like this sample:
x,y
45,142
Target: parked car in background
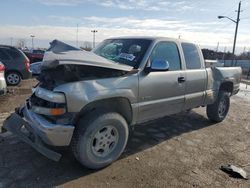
x,y
35,68
35,55
17,65
3,87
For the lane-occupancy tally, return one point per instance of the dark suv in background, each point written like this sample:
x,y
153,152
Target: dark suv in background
x,y
16,63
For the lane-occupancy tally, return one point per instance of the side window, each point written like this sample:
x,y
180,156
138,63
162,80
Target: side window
x,y
3,55
191,55
12,53
167,51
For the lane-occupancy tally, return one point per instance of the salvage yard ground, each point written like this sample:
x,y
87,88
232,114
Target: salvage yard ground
x,y
184,150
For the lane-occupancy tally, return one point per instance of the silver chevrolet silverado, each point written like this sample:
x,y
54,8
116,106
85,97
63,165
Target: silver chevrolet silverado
x,y
90,100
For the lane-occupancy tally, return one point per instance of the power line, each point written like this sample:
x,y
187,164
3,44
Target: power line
x,y
245,18
223,26
229,9
77,35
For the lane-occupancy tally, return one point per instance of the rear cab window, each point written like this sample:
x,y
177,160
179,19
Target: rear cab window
x,y
192,56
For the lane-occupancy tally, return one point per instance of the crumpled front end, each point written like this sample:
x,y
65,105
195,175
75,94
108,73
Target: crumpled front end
x,y
46,118
41,122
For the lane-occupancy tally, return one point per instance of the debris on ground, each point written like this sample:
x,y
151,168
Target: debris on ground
x,y
234,171
195,171
137,158
248,164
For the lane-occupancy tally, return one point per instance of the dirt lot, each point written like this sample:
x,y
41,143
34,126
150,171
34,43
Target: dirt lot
x,y
183,150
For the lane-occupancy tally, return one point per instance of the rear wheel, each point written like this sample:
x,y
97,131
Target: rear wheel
x,y
100,139
217,111
13,78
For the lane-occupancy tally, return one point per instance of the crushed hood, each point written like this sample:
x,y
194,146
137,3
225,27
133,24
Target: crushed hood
x,y
60,53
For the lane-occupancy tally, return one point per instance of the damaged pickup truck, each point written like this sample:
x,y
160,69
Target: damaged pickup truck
x,y
90,100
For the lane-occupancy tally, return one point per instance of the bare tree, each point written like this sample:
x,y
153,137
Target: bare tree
x,y
21,43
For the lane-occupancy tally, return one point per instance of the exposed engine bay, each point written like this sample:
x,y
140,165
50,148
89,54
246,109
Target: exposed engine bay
x,y
52,77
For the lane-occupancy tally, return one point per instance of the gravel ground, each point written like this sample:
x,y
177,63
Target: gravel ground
x,y
183,150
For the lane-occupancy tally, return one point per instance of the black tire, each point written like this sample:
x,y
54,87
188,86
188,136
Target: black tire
x,y
85,141
13,78
217,113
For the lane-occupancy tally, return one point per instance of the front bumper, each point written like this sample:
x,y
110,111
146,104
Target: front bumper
x,y
36,130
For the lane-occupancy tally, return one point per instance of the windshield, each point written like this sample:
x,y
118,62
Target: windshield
x,y
125,51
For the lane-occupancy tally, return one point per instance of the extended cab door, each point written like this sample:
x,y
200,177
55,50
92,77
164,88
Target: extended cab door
x,y
196,77
162,93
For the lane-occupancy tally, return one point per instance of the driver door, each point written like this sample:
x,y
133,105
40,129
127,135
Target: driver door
x,y
162,93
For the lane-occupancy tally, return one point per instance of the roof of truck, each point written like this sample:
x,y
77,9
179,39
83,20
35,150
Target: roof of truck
x,y
140,37
150,38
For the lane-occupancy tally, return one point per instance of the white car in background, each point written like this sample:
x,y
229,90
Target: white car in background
x,y
3,87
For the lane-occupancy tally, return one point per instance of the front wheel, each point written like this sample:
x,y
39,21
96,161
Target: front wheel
x,y
99,139
217,111
13,78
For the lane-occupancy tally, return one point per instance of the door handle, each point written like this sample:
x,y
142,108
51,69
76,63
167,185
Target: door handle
x,y
181,79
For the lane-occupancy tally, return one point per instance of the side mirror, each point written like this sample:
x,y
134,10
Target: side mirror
x,y
159,65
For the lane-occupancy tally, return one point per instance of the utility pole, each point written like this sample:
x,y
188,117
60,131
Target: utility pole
x,y
237,21
32,40
236,28
217,47
223,57
11,41
244,49
77,35
94,32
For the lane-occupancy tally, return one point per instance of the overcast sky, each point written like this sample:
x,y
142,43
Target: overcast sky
x,y
195,20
